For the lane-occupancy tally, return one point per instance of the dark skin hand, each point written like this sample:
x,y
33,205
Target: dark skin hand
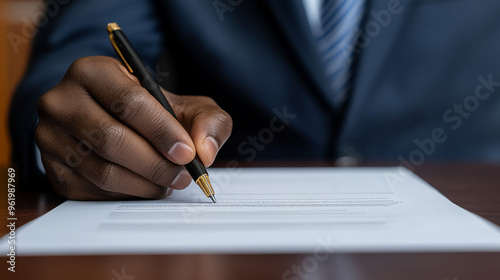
x,y
103,136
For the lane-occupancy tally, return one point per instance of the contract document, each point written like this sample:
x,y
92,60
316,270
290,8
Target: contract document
x,y
268,210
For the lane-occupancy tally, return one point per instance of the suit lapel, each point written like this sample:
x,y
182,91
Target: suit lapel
x,y
292,21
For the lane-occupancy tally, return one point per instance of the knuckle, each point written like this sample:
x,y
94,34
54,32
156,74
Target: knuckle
x,y
223,117
83,67
40,135
160,172
59,177
157,173
223,120
67,182
112,140
106,177
44,137
133,101
46,104
78,68
157,133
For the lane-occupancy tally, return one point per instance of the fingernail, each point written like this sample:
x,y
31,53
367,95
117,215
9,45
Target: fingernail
x,y
182,180
210,147
180,153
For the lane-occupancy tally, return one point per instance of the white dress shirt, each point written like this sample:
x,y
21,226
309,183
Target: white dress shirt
x,y
313,11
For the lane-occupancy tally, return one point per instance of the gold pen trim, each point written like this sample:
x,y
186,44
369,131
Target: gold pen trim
x,y
112,27
205,185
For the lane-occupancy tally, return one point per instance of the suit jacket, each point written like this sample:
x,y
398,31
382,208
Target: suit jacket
x,y
425,88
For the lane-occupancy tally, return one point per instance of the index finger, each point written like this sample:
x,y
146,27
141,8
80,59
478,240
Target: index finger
x,y
120,94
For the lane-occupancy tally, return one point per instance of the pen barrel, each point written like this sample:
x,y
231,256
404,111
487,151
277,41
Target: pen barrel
x,y
152,86
196,168
139,70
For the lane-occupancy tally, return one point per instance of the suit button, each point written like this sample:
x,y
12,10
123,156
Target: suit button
x,y
346,161
349,155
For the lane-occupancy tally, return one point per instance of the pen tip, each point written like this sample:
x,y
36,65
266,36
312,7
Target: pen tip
x,y
206,187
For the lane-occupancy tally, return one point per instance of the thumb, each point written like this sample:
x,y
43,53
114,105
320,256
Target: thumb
x,y
208,125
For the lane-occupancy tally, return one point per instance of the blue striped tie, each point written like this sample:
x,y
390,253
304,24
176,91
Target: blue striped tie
x,y
339,22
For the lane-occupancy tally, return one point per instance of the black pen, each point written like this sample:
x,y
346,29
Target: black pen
x,y
135,66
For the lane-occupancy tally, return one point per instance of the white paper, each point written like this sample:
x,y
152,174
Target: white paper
x,y
268,210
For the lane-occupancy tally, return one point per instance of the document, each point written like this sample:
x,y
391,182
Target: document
x,y
268,210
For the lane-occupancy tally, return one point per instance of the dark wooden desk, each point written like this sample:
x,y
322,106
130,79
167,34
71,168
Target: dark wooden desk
x,y
473,187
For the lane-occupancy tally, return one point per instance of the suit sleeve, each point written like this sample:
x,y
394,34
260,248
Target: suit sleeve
x,y
73,29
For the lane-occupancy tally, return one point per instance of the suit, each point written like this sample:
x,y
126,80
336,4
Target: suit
x,y
426,83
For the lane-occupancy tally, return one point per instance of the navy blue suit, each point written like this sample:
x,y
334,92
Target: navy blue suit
x,y
426,84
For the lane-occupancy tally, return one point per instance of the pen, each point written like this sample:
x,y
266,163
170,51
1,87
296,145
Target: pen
x,y
136,67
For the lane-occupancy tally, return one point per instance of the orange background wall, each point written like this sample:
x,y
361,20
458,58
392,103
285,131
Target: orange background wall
x,y
12,61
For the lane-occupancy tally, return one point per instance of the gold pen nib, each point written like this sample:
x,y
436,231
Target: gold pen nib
x,y
206,187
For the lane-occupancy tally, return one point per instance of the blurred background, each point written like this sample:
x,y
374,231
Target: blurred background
x,y
16,33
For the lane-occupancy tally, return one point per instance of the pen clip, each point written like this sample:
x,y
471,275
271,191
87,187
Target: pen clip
x,y
112,27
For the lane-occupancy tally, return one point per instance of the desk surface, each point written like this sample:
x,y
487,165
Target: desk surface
x,y
473,187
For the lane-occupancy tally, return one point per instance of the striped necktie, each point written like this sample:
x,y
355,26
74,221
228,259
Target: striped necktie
x,y
339,22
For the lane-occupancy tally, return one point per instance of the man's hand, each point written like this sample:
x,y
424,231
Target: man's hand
x,y
103,136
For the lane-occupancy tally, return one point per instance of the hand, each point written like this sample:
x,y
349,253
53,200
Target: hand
x,y
103,136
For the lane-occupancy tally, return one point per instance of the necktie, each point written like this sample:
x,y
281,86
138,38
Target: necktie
x,y
339,22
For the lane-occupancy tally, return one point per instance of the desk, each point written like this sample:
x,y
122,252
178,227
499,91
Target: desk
x,y
473,187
